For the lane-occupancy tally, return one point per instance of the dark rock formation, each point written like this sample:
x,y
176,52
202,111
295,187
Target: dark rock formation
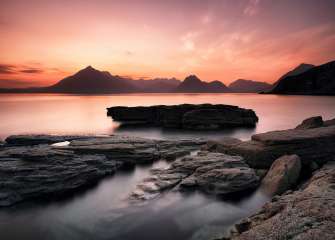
x,y
192,84
41,171
187,116
249,86
313,122
319,80
313,146
213,173
283,175
307,213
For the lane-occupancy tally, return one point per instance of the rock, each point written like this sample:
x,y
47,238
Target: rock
x,y
39,171
283,175
187,116
316,144
313,122
213,173
307,213
329,122
39,139
222,143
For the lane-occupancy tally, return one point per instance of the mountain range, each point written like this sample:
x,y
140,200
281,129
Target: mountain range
x,y
249,86
304,79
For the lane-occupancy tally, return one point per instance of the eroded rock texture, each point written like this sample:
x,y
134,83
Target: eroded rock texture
x,y
31,169
213,173
308,213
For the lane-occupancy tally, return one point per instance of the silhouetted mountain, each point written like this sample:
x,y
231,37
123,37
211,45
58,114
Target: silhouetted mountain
x,y
193,84
318,80
156,84
303,67
249,86
90,80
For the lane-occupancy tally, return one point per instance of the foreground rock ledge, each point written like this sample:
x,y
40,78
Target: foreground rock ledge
x,y
308,213
30,168
186,116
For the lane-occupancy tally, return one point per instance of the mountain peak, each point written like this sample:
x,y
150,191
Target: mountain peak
x,y
192,78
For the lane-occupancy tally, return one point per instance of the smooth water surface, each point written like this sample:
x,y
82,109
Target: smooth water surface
x,y
86,114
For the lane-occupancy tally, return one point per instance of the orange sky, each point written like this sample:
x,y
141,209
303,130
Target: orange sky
x,y
44,41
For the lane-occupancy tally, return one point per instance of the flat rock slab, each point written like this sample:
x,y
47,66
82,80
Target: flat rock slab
x,y
32,169
308,213
314,146
186,116
213,173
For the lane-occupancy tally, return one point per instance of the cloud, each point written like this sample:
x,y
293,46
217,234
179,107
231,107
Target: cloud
x,y
252,8
15,69
32,70
7,69
188,41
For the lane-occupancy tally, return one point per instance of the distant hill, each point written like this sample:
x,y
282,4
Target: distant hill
x,y
249,86
319,80
156,84
192,84
303,67
90,80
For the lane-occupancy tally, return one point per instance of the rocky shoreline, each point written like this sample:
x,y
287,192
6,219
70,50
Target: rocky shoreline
x,y
295,167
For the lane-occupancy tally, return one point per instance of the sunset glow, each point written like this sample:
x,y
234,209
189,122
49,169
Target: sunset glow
x,y
43,41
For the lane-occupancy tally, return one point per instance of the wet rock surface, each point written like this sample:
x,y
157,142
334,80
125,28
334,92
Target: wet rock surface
x,y
308,213
186,116
35,170
213,173
313,146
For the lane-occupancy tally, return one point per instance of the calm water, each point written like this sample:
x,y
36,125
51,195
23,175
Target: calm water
x,y
76,114
103,212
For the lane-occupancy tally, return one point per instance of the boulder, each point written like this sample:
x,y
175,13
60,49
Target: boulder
x,y
187,116
283,175
307,213
313,122
213,173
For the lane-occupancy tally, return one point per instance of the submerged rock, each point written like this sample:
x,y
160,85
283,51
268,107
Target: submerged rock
x,y
283,174
187,116
315,145
213,173
307,213
41,171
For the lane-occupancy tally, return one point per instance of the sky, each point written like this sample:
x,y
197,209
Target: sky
x,y
43,41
